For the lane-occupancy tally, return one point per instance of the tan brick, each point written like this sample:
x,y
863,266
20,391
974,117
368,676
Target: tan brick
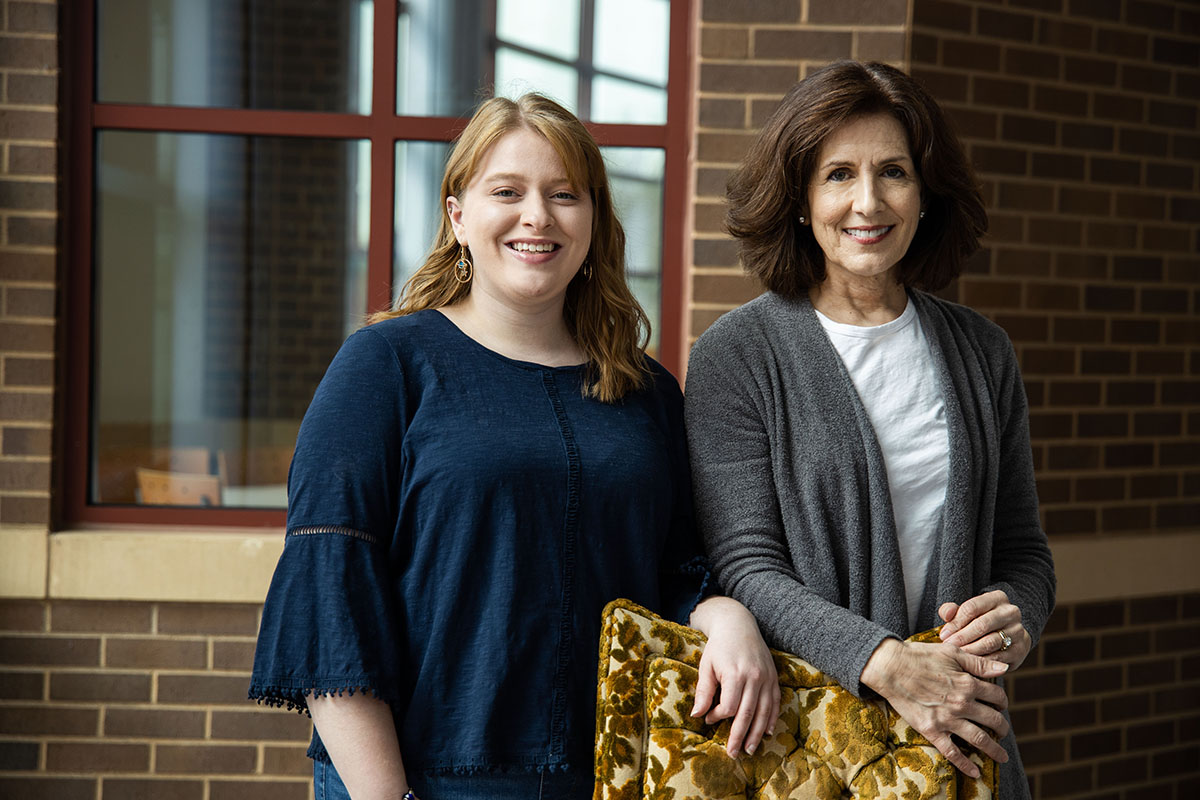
x,y
25,372
724,42
21,685
24,510
154,723
156,653
21,441
98,757
105,687
259,790
22,615
858,12
47,788
152,789
758,78
72,616
286,761
205,759
796,45
18,266
217,619
32,90
32,159
747,11
27,337
202,689
233,655
733,289
41,720
32,231
261,725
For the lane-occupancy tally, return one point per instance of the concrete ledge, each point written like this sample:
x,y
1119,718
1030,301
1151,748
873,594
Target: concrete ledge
x,y
236,566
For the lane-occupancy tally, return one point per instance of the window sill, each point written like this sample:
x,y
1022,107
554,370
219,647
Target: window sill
x,y
139,564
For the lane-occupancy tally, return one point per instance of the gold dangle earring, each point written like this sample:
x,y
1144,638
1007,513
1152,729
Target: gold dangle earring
x,y
462,267
587,270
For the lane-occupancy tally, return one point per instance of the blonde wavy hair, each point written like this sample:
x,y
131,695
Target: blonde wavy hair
x,y
601,312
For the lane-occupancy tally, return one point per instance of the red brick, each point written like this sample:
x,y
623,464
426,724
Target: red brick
x,y
1066,35
17,266
1020,327
1056,231
1124,43
259,790
1088,137
205,759
32,231
1145,79
1117,456
1048,361
286,761
1053,490
1149,673
727,147
43,720
22,615
32,90
1154,486
156,653
1041,686
1120,107
28,372
716,112
938,14
20,441
233,655
105,687
21,685
202,689
1114,772
210,618
260,726
1125,706
791,44
152,789
98,757
747,11
1090,71
1175,240
1074,456
1174,115
1109,424
32,17
945,85
732,289
1126,518
1131,393
77,616
879,46
1056,296
710,181
720,42
1105,488
31,159
1058,165
1136,331
714,253
736,78
154,723
46,788
49,651
859,12
1011,261
24,510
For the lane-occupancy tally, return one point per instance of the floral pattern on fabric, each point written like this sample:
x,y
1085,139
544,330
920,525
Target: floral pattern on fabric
x,y
828,743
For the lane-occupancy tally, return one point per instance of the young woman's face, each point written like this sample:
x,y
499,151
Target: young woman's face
x,y
527,227
864,199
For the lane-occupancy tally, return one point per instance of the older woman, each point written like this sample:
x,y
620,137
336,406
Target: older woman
x,y
480,471
860,448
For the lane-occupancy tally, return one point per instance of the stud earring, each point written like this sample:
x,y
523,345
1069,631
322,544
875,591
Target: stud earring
x,y
922,215
463,269
803,221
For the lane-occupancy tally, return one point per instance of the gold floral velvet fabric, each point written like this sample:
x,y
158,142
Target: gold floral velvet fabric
x,y
828,743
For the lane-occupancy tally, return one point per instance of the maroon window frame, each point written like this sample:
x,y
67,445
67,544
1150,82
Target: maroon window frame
x,y
83,117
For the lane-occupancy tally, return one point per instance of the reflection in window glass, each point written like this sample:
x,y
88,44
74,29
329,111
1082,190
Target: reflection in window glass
x,y
228,271
292,55
615,100
443,59
418,211
549,26
518,73
636,175
631,39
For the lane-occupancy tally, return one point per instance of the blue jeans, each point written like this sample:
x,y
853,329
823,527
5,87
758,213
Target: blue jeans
x,y
327,785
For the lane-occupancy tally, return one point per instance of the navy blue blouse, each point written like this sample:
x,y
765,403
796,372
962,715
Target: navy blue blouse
x,y
456,522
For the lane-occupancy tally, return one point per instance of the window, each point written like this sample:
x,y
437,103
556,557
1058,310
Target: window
x,y
249,178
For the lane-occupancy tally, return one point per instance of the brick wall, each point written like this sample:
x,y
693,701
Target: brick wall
x,y
28,231
1082,120
126,701
1108,705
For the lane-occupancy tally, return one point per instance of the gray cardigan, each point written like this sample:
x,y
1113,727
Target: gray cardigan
x,y
792,496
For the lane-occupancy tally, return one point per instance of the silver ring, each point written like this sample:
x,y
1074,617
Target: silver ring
x,y
1006,639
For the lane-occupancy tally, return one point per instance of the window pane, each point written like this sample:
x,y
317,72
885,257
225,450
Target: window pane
x,y
631,39
518,73
615,100
636,175
228,271
419,167
451,53
293,55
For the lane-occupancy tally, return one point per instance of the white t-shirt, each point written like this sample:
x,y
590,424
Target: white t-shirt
x,y
892,370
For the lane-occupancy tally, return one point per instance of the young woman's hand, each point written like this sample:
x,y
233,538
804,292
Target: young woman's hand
x,y
737,664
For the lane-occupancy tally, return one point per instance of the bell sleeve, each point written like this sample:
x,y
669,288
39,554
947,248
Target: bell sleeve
x,y
331,621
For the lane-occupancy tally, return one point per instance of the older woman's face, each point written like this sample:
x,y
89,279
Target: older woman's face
x,y
864,198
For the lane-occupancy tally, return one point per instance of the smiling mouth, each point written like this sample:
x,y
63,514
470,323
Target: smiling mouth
x,y
868,234
532,247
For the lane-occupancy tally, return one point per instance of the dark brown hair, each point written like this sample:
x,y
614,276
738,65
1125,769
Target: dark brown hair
x,y
768,193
